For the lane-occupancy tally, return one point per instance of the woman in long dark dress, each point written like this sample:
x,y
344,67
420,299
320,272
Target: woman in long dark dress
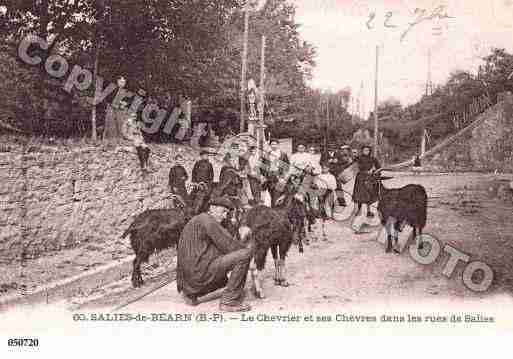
x,y
361,193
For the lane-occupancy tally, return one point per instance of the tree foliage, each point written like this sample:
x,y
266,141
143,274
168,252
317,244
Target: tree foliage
x,y
173,47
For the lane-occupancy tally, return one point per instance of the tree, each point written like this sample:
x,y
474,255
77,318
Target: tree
x,y
289,60
66,25
175,46
154,44
495,73
390,109
68,21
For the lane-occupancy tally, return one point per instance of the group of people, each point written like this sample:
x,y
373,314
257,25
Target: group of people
x,y
124,119
202,172
208,257
248,167
328,171
206,251
279,167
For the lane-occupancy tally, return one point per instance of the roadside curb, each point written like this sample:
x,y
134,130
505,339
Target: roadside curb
x,y
67,287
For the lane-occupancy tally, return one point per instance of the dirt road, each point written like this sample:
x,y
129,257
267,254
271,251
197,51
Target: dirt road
x,y
350,270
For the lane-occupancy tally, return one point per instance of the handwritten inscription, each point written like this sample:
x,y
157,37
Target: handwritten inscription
x,y
372,16
388,16
420,16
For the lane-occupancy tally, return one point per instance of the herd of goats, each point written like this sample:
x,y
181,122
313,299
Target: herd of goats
x,y
272,228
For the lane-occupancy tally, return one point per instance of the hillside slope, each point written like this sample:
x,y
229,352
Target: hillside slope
x,y
485,145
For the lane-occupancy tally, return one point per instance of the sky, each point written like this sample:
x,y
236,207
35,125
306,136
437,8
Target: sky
x,y
346,47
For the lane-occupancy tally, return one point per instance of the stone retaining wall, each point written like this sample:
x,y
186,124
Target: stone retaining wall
x,y
57,197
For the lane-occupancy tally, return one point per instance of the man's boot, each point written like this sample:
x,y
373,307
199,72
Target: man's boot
x,y
396,246
389,244
190,300
241,307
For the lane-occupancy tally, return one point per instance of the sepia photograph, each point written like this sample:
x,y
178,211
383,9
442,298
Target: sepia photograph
x,y
254,164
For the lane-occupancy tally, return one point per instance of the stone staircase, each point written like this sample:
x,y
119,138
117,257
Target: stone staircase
x,y
485,144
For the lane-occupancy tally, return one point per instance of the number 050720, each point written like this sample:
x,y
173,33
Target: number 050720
x,y
22,342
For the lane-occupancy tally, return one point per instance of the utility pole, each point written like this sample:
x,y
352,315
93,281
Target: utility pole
x,y
326,134
359,102
423,142
376,152
429,83
94,135
243,74
429,92
319,118
97,45
262,96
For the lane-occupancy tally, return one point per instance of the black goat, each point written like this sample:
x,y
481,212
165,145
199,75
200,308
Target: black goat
x,y
297,197
154,230
275,229
396,206
157,229
270,229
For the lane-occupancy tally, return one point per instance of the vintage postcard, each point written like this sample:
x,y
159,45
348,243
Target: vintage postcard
x,y
210,166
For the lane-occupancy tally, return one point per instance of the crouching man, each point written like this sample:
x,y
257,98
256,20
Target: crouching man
x,y
207,253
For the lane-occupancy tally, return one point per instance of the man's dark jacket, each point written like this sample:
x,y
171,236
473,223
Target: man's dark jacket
x,y
203,240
